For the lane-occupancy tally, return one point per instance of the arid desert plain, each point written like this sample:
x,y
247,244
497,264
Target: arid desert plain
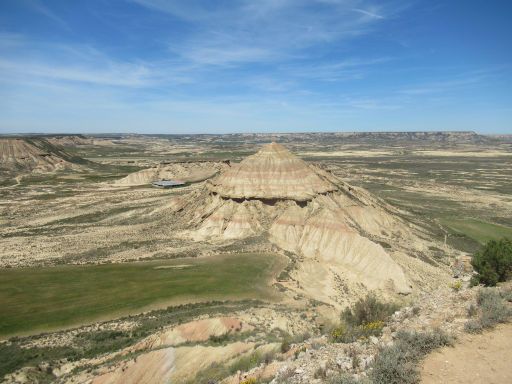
x,y
260,265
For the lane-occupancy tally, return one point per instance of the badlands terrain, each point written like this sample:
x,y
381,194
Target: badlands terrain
x,y
241,274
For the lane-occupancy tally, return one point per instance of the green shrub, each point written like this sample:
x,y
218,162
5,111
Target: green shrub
x,y
216,372
493,263
348,334
492,309
368,310
397,364
213,374
13,357
338,334
365,318
456,286
285,346
219,339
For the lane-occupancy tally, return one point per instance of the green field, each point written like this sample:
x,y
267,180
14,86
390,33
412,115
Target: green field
x,y
40,299
480,231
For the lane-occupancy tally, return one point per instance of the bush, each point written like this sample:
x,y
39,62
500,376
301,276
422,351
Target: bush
x,y
365,318
247,362
368,310
285,346
338,334
456,286
493,263
219,339
288,340
492,309
320,373
397,364
349,334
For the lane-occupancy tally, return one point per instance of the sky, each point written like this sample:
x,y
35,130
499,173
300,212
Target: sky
x,y
218,66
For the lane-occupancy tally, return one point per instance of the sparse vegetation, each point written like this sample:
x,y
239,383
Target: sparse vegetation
x,y
368,310
456,286
218,371
285,346
288,340
492,308
92,343
385,171
320,373
365,318
220,339
493,263
397,364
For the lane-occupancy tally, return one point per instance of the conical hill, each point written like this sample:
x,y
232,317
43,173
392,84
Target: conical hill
x,y
343,238
272,173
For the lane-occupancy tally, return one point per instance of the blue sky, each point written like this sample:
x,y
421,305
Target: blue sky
x,y
156,66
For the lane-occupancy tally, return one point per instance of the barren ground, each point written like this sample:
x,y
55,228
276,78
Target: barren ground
x,y
474,359
460,187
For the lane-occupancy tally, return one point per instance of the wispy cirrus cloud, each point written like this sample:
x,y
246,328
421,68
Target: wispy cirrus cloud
x,y
456,82
370,13
25,60
348,69
264,31
115,74
39,7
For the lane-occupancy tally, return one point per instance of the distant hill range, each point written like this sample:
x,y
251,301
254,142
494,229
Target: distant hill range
x,y
446,136
389,137
455,137
71,140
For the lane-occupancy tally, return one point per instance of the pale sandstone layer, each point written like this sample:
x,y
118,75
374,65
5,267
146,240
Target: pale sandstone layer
x,y
272,173
186,172
336,231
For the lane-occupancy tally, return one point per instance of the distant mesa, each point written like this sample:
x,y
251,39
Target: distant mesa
x,y
336,231
35,155
71,140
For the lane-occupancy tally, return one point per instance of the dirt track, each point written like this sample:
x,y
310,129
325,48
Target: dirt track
x,y
484,358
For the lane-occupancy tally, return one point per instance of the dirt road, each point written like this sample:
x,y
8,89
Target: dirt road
x,y
485,358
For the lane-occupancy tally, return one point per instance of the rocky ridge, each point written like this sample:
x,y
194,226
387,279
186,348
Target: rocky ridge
x,y
36,155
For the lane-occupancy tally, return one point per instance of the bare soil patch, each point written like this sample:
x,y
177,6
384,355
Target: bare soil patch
x,y
483,358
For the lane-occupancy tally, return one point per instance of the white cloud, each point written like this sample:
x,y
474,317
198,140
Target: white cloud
x,y
113,74
264,31
26,61
371,14
458,81
39,7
